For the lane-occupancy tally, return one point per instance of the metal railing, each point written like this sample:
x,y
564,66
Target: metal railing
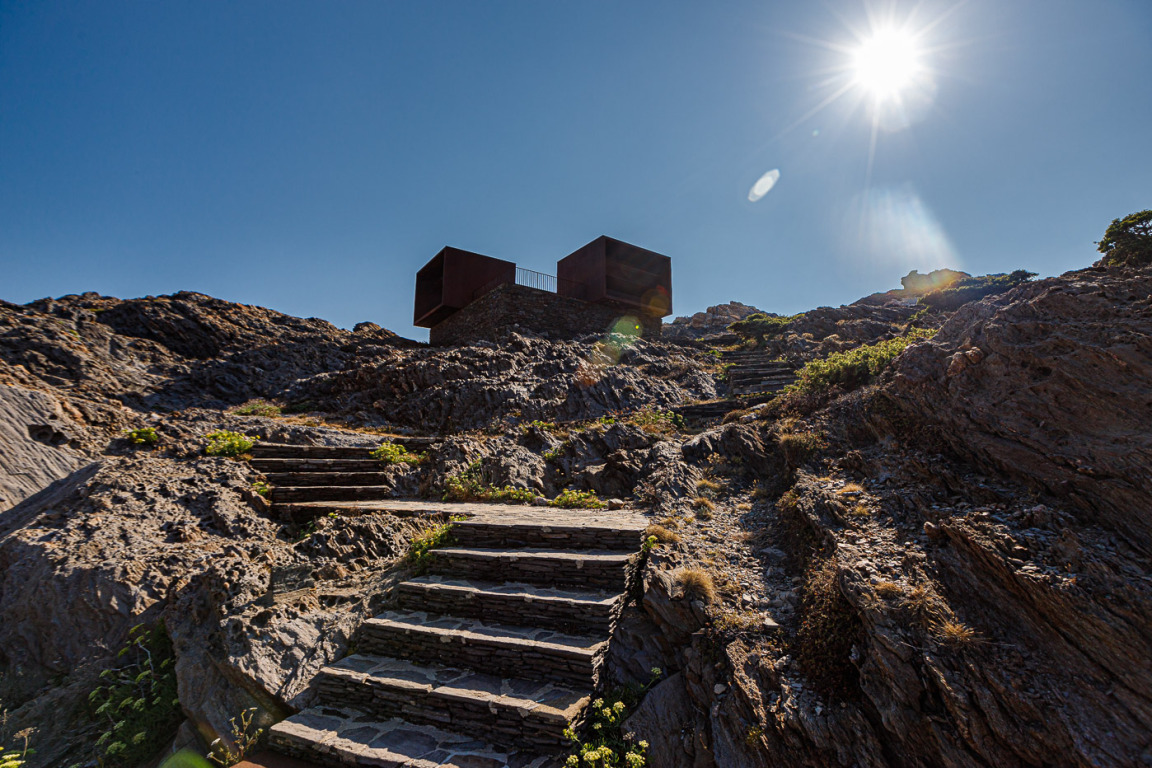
x,y
532,279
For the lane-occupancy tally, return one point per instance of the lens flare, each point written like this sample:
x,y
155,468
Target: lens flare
x,y
764,185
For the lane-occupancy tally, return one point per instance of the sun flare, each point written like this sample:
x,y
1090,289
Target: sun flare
x,y
886,63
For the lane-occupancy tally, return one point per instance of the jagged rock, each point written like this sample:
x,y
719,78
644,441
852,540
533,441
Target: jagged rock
x,y
40,439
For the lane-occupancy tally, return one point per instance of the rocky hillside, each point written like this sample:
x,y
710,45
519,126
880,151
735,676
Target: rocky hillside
x,y
944,564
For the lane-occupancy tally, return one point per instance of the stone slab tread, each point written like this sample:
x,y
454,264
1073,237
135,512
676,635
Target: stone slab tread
x,y
342,737
443,686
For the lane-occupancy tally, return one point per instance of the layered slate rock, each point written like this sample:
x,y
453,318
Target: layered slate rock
x,y
486,659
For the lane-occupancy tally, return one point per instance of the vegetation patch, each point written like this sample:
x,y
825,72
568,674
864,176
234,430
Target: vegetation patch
x,y
968,289
391,453
606,745
657,422
225,443
257,408
828,630
137,701
142,436
661,534
759,327
697,584
854,367
572,499
1128,241
420,548
799,447
244,740
467,486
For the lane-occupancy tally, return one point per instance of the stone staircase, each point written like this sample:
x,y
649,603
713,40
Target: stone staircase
x,y
755,372
311,473
484,660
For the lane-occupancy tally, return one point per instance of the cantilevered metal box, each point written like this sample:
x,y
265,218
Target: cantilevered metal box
x,y
608,271
452,279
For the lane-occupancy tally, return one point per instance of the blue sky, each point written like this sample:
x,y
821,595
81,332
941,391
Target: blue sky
x,y
310,157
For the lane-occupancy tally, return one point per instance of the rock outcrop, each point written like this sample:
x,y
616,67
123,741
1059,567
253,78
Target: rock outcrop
x,y
946,567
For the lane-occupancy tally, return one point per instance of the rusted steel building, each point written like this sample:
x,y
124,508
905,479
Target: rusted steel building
x,y
606,285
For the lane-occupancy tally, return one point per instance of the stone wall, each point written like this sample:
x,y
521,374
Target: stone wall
x,y
493,314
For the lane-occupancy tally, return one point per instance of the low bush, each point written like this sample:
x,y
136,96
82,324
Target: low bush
x,y
142,436
661,534
607,745
828,629
257,408
420,548
657,422
225,443
571,499
244,740
137,700
759,327
798,447
968,289
697,584
854,367
391,453
468,486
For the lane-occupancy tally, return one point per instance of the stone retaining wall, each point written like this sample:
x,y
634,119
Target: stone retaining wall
x,y
508,306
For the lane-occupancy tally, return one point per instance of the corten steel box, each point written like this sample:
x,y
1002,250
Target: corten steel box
x,y
608,271
451,280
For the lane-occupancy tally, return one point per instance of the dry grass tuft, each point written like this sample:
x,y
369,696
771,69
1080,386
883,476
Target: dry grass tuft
x,y
697,584
708,487
955,632
788,501
663,535
860,510
889,589
743,507
851,489
704,507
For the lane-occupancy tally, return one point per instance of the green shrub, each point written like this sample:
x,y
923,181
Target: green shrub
x,y
968,289
545,426
854,367
137,701
571,499
1128,241
420,549
390,453
468,486
607,745
657,422
225,443
257,408
759,327
142,436
243,741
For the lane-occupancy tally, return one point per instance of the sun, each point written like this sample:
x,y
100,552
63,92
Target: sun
x,y
886,63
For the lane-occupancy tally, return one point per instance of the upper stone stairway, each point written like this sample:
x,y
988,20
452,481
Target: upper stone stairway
x,y
303,473
756,372
484,660
753,378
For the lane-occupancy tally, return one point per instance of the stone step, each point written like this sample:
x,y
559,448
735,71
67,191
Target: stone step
x,y
303,479
262,450
487,646
330,493
566,610
339,737
578,529
589,569
510,712
315,465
